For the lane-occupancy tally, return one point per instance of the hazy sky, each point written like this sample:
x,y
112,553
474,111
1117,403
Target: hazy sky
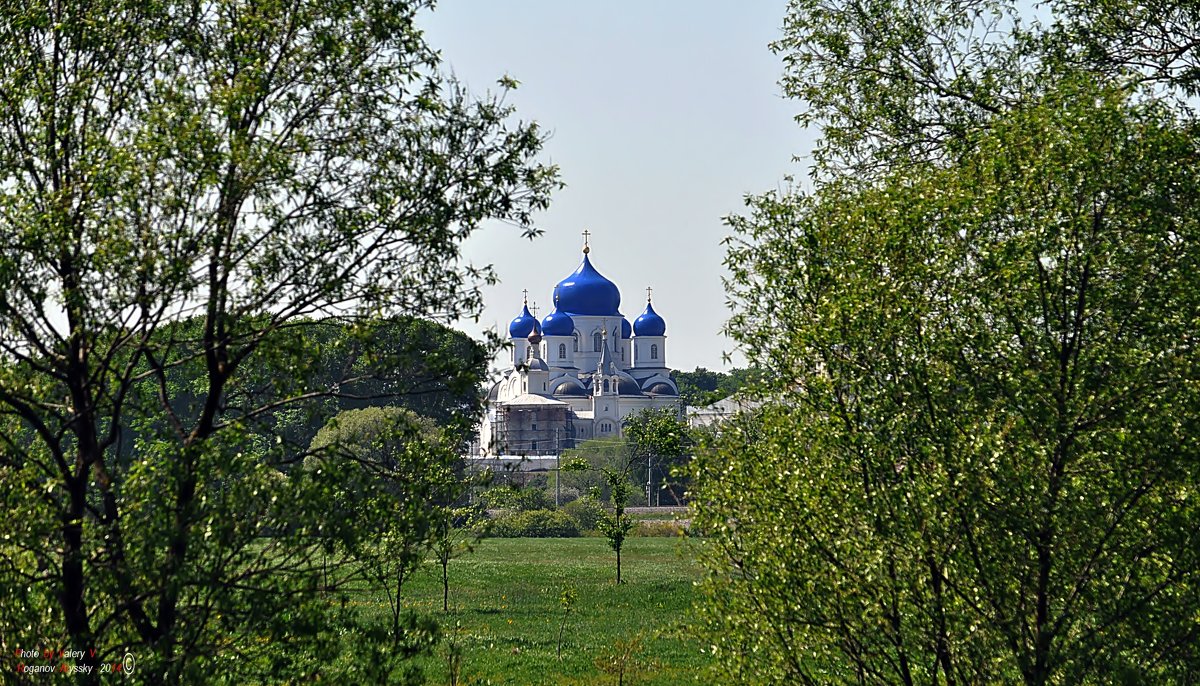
x,y
662,116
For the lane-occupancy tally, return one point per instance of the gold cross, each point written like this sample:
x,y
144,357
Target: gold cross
x,y
525,296
647,294
534,308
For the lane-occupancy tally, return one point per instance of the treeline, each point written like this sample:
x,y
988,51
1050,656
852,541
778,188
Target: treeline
x,y
702,386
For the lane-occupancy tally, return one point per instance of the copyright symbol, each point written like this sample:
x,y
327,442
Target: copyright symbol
x,y
128,663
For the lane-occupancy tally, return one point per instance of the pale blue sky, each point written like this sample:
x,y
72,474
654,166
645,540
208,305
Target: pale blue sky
x,y
662,116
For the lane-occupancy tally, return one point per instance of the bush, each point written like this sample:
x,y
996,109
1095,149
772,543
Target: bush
x,y
566,494
508,497
586,512
534,524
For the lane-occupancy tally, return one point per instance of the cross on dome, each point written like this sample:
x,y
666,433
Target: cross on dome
x,y
586,249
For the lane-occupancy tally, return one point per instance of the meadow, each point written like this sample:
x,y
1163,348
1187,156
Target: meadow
x,y
506,612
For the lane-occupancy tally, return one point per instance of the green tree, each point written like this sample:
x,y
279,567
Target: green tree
x,y
981,470
699,386
257,166
583,468
458,530
658,437
614,524
401,361
891,83
703,387
397,485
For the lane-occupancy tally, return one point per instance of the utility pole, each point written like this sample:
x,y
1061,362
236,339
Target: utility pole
x,y
649,502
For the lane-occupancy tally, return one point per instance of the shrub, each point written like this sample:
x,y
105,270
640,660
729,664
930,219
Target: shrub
x,y
508,497
566,494
586,512
534,524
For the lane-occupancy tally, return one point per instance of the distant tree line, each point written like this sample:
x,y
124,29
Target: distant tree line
x,y
702,386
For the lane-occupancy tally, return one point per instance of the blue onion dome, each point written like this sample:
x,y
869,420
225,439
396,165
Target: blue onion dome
x,y
587,292
558,324
626,329
649,324
524,324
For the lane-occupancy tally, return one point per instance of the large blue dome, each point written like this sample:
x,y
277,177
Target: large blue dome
x,y
558,324
587,292
524,324
626,329
649,324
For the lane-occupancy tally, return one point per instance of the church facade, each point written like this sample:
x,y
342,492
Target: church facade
x,y
578,373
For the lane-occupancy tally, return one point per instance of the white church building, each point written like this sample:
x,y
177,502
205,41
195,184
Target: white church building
x,y
579,372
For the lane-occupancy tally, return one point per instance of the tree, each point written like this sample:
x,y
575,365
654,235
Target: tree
x,y
421,365
658,435
704,387
458,530
584,466
891,83
981,470
258,166
615,525
398,486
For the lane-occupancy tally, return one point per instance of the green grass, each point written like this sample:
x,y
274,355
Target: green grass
x,y
504,601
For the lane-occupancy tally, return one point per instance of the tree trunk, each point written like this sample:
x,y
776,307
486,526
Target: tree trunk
x,y
618,565
446,584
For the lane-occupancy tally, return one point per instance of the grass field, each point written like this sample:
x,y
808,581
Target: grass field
x,y
505,603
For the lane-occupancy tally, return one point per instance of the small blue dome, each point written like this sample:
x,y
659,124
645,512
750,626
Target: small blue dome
x,y
587,292
558,324
524,324
626,329
649,324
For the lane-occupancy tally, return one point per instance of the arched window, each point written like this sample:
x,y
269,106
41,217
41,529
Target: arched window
x,y
576,337
654,351
606,385
596,342
529,353
562,351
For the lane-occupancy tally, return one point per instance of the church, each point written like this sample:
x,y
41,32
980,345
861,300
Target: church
x,y
577,373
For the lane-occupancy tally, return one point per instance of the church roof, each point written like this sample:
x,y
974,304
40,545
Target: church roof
x,y
661,388
587,292
558,324
649,324
529,399
524,324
